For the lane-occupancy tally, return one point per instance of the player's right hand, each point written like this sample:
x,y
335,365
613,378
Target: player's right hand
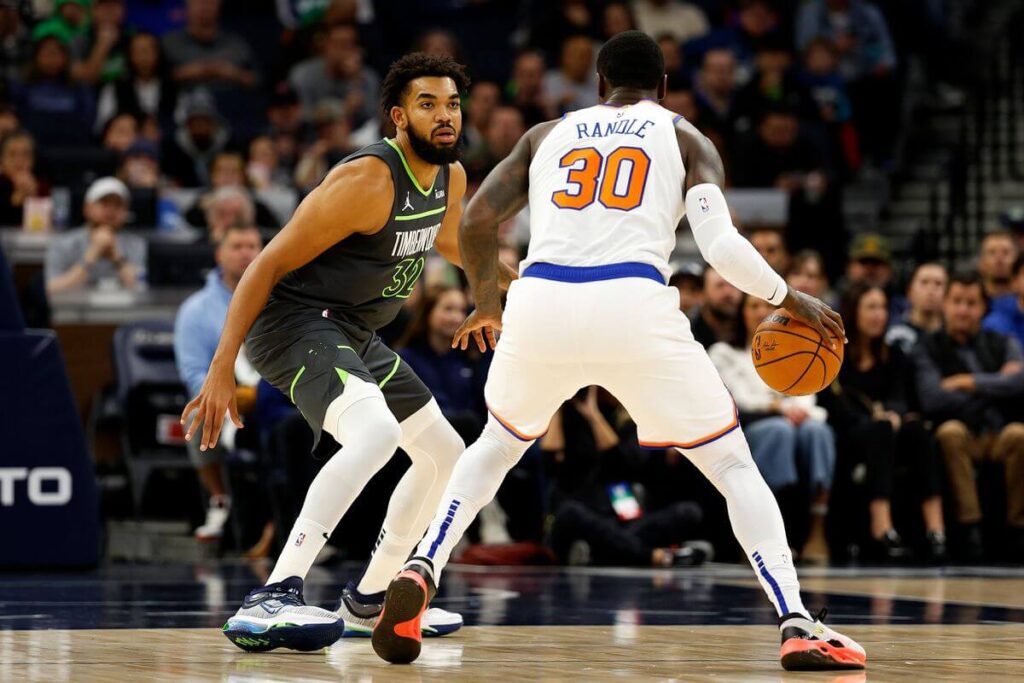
x,y
215,399
478,324
815,313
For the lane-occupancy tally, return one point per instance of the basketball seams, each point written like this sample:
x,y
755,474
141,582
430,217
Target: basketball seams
x,y
782,358
809,364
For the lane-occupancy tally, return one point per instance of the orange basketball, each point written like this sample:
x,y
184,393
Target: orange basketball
x,y
791,357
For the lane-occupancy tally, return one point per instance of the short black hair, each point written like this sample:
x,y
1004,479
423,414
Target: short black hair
x,y
967,278
632,59
418,65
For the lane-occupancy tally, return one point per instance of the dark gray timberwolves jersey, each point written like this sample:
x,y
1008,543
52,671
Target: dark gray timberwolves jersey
x,y
364,279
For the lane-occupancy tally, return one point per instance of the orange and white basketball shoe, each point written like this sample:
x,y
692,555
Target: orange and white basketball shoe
x,y
397,636
809,645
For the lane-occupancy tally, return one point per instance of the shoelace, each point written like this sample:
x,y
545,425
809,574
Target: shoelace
x,y
287,597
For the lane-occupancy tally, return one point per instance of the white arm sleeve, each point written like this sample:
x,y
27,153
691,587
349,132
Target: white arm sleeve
x,y
726,250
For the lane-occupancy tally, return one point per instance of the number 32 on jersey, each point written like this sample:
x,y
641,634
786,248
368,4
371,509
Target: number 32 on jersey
x,y
617,181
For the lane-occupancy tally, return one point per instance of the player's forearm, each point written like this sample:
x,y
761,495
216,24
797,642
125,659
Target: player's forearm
x,y
478,248
726,250
248,300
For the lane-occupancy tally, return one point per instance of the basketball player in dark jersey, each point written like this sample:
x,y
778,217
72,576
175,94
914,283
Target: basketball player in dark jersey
x,y
307,310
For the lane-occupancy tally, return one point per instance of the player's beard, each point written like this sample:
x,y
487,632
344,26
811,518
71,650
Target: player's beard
x,y
431,153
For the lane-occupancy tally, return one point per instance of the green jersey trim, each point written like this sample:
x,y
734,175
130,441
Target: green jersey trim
x,y
414,216
408,170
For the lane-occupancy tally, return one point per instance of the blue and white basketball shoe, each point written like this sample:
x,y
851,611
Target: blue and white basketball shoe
x,y
276,615
360,613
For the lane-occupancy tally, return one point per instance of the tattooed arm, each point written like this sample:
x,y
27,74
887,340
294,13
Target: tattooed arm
x,y
503,193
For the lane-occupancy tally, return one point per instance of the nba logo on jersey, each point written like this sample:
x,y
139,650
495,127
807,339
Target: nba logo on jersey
x,y
299,539
704,207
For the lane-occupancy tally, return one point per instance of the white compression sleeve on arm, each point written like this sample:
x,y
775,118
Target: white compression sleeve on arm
x,y
726,250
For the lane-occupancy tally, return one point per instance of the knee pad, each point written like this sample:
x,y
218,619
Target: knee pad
x,y
361,414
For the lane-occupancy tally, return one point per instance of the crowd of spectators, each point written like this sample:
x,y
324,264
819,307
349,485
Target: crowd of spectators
x,y
184,118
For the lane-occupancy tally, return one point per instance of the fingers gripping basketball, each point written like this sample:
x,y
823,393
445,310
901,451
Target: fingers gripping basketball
x,y
791,357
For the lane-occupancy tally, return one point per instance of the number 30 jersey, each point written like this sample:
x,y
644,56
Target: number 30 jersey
x,y
365,279
606,187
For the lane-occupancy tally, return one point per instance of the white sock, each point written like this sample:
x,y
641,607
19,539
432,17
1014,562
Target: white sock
x,y
361,421
754,515
475,481
434,447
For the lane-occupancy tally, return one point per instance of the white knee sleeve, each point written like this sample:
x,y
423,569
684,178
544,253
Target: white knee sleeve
x,y
377,424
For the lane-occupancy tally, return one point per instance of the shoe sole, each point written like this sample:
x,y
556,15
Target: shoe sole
x,y
303,638
426,631
816,655
397,637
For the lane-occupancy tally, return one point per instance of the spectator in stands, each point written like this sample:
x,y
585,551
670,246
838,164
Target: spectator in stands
x,y
773,84
828,93
203,55
867,59
616,18
995,263
53,108
8,120
144,89
682,20
227,206
339,74
227,169
716,319
264,169
807,274
526,89
439,43
574,84
560,20
689,280
139,170
18,180
98,254
970,382
454,377
858,30
772,246
715,90
871,412
69,21
484,98
286,129
503,132
200,137
871,263
332,144
99,55
1007,312
684,103
790,440
777,155
15,42
678,78
120,133
924,311
598,518
197,329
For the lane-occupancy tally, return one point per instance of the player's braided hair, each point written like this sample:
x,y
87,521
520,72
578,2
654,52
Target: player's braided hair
x,y
417,65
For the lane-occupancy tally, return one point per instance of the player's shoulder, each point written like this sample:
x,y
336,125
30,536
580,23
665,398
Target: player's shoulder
x,y
370,170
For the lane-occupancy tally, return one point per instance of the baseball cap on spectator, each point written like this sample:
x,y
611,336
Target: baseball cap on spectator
x,y
284,95
1013,219
199,103
870,246
51,29
688,271
105,187
328,111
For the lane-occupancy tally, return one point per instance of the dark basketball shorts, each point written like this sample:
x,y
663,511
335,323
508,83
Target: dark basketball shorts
x,y
310,358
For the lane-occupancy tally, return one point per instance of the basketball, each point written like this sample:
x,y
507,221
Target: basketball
x,y
791,357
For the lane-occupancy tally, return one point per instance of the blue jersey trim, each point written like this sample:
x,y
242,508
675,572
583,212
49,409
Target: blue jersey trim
x,y
580,274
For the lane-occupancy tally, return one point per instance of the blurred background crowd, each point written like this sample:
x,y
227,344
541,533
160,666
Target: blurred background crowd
x,y
150,148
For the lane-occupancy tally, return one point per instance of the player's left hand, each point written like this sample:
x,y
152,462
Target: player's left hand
x,y
478,324
815,313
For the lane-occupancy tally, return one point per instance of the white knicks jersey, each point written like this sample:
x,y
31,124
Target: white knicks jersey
x,y
606,187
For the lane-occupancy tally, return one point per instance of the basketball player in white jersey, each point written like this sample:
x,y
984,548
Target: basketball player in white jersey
x,y
607,187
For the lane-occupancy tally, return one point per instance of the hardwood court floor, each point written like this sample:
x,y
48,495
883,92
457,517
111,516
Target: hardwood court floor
x,y
625,652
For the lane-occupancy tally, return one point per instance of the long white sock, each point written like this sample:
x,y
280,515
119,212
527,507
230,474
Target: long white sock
x,y
370,434
754,515
474,483
434,449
